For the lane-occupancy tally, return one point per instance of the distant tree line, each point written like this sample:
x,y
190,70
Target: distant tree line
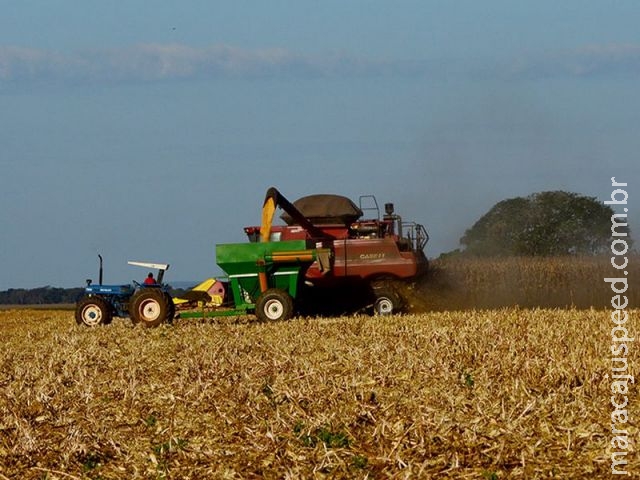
x,y
50,295
39,296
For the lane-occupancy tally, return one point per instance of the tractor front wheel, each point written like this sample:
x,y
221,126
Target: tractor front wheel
x,y
93,311
273,305
150,307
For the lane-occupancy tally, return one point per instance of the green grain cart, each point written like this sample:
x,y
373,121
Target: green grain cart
x,y
262,278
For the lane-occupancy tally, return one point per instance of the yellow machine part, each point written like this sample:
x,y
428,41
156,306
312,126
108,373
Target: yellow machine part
x,y
268,210
202,291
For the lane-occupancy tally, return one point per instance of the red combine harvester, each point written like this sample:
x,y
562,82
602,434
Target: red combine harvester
x,y
369,259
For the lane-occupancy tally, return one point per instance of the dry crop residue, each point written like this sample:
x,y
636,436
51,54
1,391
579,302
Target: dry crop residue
x,y
509,393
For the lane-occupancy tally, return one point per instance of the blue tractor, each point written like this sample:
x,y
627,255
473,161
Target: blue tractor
x,y
149,303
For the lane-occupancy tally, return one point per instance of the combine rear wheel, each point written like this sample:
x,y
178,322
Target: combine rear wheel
x,y
387,300
150,307
93,311
273,305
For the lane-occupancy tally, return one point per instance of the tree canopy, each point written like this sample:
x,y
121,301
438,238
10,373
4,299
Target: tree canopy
x,y
545,223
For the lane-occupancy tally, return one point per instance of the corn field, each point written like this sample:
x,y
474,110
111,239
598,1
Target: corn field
x,y
533,282
473,394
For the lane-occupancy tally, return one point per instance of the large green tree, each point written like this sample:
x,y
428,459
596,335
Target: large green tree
x,y
546,223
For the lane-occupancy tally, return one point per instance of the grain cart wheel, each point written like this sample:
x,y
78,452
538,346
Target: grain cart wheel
x,y
274,304
171,310
149,306
93,311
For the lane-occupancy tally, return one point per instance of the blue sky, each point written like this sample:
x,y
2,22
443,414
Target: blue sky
x,y
151,132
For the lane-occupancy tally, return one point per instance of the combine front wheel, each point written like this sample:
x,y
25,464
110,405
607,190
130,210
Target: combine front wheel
x,y
149,306
274,304
93,311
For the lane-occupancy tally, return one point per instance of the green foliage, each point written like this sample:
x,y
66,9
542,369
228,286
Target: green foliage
x,y
90,461
164,452
469,382
330,438
359,462
151,420
546,223
166,448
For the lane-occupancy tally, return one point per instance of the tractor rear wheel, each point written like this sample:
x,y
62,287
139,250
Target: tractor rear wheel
x,y
93,311
149,306
273,305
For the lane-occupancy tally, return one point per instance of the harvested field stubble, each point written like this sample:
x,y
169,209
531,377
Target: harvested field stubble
x,y
509,393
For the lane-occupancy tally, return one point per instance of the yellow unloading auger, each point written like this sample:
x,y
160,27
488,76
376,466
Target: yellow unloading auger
x,y
273,200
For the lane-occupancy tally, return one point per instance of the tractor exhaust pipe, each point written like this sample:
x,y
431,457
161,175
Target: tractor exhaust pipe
x,y
100,274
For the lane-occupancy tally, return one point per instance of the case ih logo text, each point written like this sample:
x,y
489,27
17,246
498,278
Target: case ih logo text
x,y
371,256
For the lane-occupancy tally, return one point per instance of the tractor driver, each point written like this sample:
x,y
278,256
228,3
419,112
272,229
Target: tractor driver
x,y
150,280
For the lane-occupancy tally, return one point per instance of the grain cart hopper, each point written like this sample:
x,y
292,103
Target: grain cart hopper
x,y
148,304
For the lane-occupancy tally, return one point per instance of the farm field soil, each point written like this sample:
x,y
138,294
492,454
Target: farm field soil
x,y
508,393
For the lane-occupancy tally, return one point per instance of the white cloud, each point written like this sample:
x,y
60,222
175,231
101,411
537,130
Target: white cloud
x,y
163,62
21,63
588,61
151,62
